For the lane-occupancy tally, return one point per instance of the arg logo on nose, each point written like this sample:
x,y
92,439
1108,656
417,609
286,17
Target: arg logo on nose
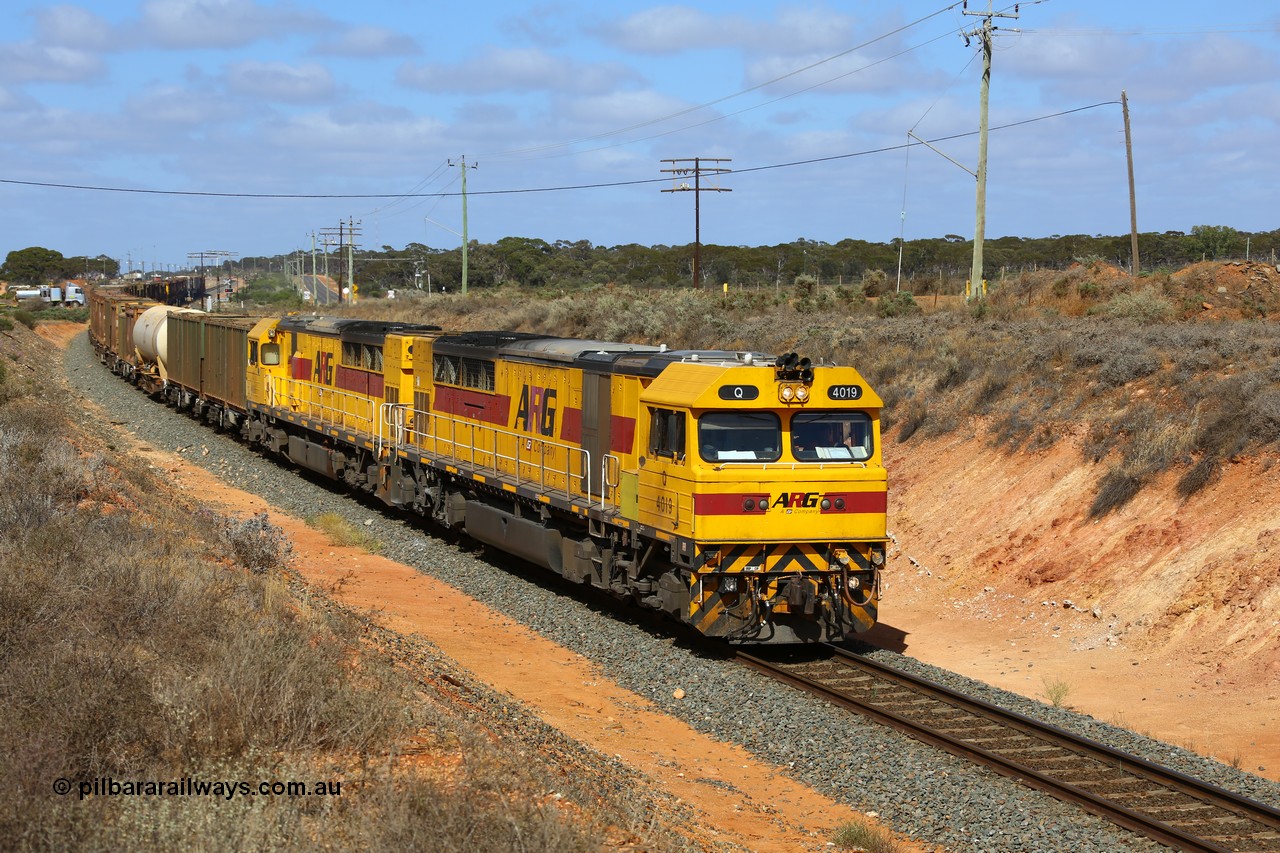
x,y
797,500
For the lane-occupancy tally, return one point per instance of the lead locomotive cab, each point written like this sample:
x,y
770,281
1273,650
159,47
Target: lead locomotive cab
x,y
767,477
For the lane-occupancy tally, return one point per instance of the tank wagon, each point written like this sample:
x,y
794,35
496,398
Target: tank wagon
x,y
741,493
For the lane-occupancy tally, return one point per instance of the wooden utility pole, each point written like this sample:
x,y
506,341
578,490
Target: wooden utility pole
x,y
351,257
677,172
983,33
1133,198
462,164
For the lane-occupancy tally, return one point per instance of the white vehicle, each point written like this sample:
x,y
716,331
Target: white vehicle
x,y
67,294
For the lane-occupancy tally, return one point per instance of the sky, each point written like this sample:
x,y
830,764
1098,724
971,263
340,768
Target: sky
x,y
151,130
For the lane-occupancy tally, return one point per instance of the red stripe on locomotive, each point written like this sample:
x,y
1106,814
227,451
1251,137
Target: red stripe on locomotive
x,y
476,405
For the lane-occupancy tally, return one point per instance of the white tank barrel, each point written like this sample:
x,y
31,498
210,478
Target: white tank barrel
x,y
150,332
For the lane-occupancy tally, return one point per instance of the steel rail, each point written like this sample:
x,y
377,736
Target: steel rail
x,y
1099,805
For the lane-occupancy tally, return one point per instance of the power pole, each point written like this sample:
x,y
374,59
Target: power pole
x,y
351,256
677,172
462,164
1133,198
984,33
327,236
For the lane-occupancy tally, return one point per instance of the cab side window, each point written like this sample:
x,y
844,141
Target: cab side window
x,y
666,433
270,354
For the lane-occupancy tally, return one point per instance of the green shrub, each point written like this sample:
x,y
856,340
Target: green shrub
x,y
897,304
874,282
1144,306
26,318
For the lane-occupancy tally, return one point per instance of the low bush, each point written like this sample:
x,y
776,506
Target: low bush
x,y
1143,306
1198,476
865,838
256,544
897,304
1115,490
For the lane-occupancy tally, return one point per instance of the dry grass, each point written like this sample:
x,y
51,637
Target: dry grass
x,y
342,532
865,838
141,639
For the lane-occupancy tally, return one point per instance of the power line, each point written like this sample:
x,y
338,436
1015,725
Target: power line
x,y
563,188
748,90
1264,29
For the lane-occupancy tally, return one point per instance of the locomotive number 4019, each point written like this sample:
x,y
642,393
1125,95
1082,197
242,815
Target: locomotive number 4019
x,y
845,392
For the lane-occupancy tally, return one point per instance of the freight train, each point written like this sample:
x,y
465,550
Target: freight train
x,y
741,493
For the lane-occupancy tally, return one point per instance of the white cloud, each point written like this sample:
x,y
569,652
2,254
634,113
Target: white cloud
x,y
279,81
516,70
8,100
33,63
669,29
675,29
624,109
543,24
179,108
221,23
368,42
360,133
73,27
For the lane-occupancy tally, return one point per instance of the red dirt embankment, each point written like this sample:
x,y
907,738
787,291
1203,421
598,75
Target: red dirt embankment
x,y
1163,616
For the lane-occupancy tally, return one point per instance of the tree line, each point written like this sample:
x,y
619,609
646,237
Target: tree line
x,y
927,265
36,265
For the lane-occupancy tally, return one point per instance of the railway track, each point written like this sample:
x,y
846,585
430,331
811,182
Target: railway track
x,y
1162,804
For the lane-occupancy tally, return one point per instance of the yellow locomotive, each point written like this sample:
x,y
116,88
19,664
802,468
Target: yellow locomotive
x,y
743,494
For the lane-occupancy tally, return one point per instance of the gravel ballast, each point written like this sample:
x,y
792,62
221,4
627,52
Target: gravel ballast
x,y
917,790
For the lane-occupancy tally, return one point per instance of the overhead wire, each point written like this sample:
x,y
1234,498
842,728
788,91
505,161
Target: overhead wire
x,y
724,98
525,190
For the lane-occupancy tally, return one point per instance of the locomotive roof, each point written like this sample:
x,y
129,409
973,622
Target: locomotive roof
x,y
654,364
533,346
598,356
357,331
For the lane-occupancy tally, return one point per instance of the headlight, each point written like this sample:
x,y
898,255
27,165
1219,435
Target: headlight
x,y
802,393
787,393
